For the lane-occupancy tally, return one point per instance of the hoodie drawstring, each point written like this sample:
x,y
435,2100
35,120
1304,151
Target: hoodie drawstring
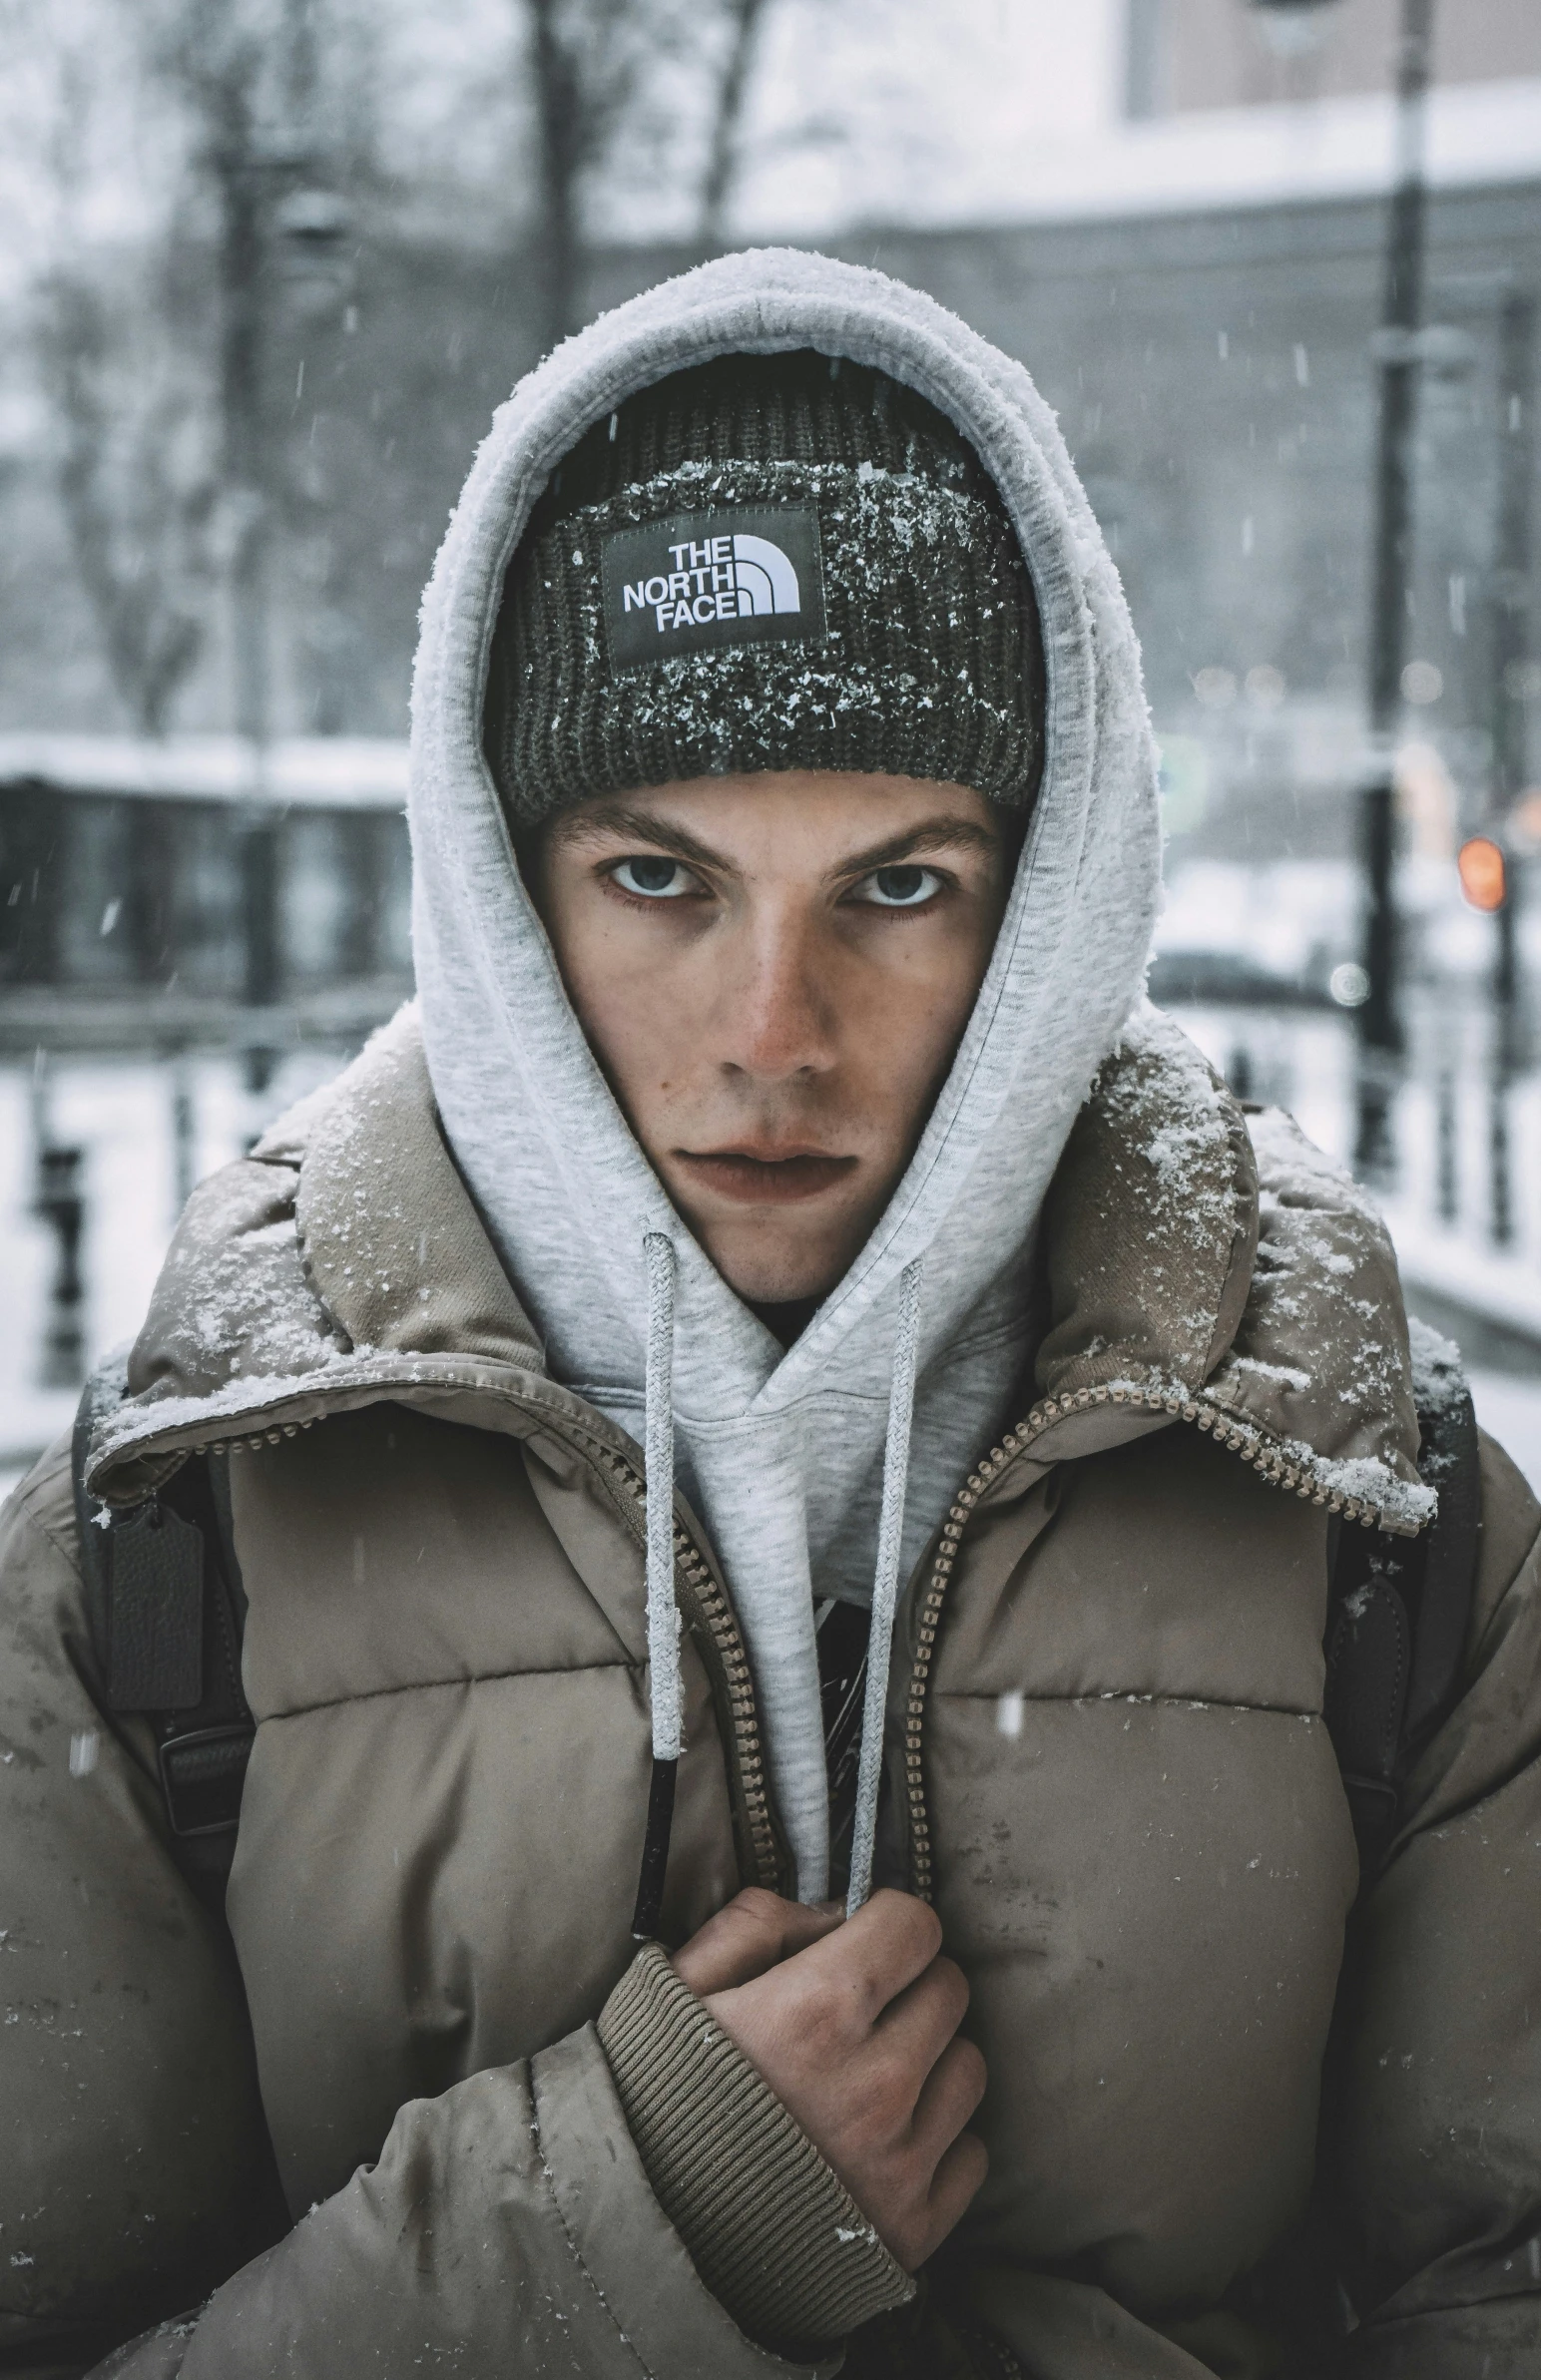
x,y
885,1586
663,1611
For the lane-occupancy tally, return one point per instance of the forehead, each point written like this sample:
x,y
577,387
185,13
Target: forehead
x,y
791,808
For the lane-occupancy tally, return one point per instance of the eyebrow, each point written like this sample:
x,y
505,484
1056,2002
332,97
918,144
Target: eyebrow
x,y
618,820
942,834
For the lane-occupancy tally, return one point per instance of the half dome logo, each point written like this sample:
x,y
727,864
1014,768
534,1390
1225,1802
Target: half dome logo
x,y
702,579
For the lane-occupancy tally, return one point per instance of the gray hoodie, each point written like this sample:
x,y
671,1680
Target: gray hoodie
x,y
783,1452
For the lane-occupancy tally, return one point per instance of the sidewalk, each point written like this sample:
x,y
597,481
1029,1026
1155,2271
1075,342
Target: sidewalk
x,y
1502,1291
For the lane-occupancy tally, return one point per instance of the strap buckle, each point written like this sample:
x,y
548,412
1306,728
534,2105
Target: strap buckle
x,y
202,1775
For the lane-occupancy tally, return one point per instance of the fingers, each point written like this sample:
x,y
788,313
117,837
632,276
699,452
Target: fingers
x,y
877,1956
948,2098
878,1953
915,2028
753,1934
953,2187
854,2028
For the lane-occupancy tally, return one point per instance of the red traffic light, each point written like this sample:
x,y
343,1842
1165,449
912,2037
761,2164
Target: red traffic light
x,y
1484,878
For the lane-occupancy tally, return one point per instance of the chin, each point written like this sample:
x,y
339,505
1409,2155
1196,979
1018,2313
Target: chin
x,y
763,1275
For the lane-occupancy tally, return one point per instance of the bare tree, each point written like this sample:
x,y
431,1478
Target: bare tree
x,y
136,475
172,434
587,58
138,491
137,390
216,56
595,67
246,75
722,160
246,72
134,471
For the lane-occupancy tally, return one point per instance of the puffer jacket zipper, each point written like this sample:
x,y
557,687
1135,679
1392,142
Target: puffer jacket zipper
x,y
1269,1459
711,1618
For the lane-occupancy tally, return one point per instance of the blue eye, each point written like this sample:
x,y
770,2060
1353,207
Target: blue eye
x,y
654,879
899,888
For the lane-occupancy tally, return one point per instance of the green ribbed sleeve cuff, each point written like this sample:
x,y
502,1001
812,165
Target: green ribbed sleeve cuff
x,y
774,2233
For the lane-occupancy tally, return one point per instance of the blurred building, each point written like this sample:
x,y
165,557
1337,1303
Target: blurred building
x,y
1174,210
1180,234
1182,56
125,874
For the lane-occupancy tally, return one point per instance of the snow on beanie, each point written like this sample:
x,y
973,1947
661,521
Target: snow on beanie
x,y
766,561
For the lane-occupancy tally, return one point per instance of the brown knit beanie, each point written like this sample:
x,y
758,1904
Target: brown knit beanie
x,y
767,562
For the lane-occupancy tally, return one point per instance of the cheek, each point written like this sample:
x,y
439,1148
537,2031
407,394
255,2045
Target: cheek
x,y
916,995
634,1007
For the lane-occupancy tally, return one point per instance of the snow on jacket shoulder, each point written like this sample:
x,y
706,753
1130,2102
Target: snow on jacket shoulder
x,y
1110,1771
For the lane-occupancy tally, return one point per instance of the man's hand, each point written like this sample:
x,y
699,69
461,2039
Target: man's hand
x,y
854,2026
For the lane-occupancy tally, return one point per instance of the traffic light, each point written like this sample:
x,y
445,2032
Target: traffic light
x,y
1483,873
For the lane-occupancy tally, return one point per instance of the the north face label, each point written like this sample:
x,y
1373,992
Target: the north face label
x,y
706,579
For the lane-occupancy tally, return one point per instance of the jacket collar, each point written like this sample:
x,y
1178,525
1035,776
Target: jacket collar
x,y
1209,1262
1201,1264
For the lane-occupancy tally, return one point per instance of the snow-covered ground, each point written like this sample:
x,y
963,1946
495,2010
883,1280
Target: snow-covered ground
x,y
121,1116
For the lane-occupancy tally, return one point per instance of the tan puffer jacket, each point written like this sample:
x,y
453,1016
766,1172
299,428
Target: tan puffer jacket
x,y
1108,1769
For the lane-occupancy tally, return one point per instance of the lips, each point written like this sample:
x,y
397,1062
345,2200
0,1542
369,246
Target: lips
x,y
754,1178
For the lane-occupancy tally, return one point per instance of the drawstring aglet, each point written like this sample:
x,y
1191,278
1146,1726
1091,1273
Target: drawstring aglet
x,y
655,1851
666,1695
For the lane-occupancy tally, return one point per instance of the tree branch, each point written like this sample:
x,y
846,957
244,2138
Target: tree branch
x,y
723,154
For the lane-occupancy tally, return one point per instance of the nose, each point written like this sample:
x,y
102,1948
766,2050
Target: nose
x,y
777,1019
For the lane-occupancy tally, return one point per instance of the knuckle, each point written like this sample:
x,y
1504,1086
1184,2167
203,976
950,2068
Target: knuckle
x,y
889,2087
916,1921
953,1980
943,1999
925,1922
964,2092
972,2072
760,1906
816,2010
970,2162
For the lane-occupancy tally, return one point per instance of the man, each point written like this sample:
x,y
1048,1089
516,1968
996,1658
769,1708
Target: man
x,y
786,1390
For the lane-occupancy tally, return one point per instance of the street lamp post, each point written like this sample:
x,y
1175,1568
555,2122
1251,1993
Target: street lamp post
x,y
243,175
1510,660
1381,1037
1380,1031
280,235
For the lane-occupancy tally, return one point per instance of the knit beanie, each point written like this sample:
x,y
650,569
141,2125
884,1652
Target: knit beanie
x,y
766,561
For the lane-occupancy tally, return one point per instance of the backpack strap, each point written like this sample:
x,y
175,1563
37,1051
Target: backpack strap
x,y
1398,1609
167,1613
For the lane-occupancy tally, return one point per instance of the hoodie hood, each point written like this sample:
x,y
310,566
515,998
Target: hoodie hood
x,y
783,1451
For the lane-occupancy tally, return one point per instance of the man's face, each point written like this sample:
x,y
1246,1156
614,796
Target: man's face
x,y
774,972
